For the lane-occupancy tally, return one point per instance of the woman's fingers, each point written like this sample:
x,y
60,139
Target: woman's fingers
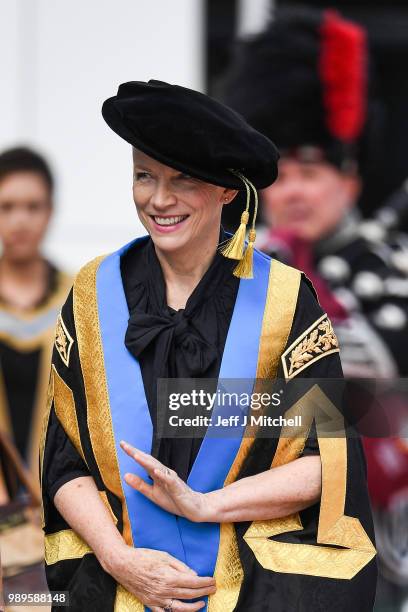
x,y
158,497
181,592
181,606
170,480
193,593
139,484
186,502
173,485
155,469
190,581
146,461
139,456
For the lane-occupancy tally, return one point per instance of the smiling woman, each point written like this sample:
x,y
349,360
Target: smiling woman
x,y
177,211
135,521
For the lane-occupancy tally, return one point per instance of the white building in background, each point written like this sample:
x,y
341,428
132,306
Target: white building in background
x,y
60,59
252,15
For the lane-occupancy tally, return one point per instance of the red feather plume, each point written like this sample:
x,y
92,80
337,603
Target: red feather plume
x,y
343,72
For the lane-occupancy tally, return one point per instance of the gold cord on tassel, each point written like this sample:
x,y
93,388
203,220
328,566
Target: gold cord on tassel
x,y
245,268
234,247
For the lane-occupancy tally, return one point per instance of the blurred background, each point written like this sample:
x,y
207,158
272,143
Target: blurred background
x,y
60,61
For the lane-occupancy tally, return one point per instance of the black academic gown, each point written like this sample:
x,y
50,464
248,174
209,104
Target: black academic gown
x,y
191,343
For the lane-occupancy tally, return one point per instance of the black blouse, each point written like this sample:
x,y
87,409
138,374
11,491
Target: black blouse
x,y
188,343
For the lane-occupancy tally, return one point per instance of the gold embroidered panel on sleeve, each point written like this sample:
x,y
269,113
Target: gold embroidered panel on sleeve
x,y
63,545
65,410
318,341
63,341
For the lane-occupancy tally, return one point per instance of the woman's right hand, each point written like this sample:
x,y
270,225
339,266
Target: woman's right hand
x,y
157,579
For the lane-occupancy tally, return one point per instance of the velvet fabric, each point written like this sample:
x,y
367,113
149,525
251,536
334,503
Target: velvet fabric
x,y
191,132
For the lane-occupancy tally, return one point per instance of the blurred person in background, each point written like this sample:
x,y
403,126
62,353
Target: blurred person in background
x,y
305,80
386,23
32,291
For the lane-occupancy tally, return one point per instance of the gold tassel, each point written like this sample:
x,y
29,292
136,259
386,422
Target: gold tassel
x,y
244,269
234,247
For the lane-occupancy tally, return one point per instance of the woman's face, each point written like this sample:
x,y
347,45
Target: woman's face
x,y
176,209
25,210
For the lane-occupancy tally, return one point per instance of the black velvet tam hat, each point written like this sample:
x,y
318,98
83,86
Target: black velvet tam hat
x,y
191,132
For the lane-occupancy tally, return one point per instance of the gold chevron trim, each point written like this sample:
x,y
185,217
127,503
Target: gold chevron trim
x,y
335,528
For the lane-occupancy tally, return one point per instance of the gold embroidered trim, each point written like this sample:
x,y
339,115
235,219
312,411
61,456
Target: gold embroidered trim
x,y
280,305
318,341
63,545
335,528
96,390
127,602
63,341
65,410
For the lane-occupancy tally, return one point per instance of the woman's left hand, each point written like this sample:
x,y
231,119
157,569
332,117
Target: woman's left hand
x,y
168,490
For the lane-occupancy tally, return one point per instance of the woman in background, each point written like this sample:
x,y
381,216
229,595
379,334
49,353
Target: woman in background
x,y
31,293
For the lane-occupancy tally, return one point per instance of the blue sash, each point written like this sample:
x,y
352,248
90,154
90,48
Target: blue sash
x,y
196,544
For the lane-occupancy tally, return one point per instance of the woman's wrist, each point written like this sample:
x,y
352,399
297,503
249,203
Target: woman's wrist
x,y
213,507
111,557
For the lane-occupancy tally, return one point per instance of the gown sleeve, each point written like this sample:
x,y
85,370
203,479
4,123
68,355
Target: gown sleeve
x,y
323,365
65,454
322,558
62,455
